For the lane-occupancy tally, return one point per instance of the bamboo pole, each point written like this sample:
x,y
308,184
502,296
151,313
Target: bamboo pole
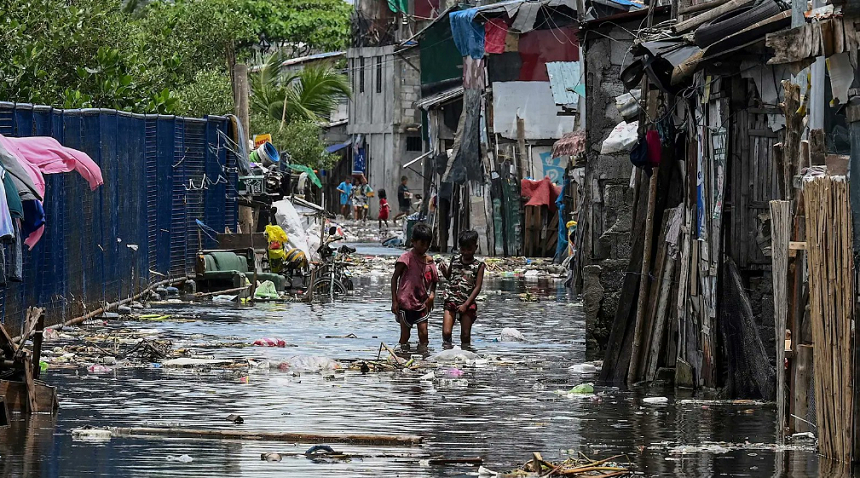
x,y
122,302
831,299
176,432
643,280
780,230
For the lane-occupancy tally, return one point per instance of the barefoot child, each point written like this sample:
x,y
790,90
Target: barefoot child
x,y
465,277
384,209
413,287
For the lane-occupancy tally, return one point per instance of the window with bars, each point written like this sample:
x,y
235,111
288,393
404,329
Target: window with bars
x,y
414,143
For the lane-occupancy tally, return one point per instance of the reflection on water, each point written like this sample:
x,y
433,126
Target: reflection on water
x,y
502,413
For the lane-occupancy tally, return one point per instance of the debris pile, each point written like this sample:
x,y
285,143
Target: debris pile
x,y
583,466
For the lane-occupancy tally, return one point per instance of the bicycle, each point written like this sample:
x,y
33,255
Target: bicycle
x,y
331,277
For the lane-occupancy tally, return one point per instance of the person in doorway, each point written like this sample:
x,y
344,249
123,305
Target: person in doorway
x,y
465,276
404,198
413,288
345,190
384,209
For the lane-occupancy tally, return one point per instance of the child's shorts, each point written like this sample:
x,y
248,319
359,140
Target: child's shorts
x,y
413,317
452,307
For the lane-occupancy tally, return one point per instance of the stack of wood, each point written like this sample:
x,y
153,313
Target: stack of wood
x,y
20,389
831,300
607,467
541,231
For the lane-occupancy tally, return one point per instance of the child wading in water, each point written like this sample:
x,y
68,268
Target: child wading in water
x,y
413,288
384,209
465,277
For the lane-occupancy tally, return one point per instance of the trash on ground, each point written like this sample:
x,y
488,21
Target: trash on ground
x,y
266,290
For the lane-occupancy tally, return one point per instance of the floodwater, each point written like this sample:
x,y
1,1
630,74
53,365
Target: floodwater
x,y
501,413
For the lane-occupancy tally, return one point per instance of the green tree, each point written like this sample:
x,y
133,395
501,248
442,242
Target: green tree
x,y
301,139
210,93
298,27
309,95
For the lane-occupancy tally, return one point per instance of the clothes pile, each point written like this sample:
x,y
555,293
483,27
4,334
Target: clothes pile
x,y
23,164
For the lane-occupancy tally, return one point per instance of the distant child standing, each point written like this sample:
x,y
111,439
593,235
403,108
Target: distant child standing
x,y
465,277
413,288
404,199
384,209
345,190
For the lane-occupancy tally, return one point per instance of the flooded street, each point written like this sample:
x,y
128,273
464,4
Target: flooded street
x,y
501,412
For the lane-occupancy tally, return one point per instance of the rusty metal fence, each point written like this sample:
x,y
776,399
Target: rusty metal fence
x,y
161,174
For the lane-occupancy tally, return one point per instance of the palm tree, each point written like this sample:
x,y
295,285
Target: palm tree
x,y
309,95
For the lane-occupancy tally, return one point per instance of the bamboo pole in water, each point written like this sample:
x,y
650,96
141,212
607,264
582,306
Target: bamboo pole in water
x,y
175,432
780,233
831,300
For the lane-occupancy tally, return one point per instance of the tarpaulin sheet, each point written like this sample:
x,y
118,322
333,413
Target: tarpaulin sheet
x,y
541,46
540,193
495,30
468,35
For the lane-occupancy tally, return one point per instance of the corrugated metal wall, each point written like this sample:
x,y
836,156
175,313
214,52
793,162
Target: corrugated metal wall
x,y
161,173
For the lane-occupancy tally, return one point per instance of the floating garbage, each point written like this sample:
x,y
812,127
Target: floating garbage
x,y
309,363
582,388
655,400
453,373
97,368
511,335
270,342
271,457
584,368
428,376
91,434
453,355
180,458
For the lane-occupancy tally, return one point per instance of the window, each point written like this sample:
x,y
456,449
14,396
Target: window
x,y
361,75
414,143
379,74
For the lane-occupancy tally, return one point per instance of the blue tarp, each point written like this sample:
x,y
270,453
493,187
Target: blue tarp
x,y
337,147
468,35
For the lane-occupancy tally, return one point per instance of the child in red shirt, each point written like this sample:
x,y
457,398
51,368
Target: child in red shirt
x,y
384,209
413,288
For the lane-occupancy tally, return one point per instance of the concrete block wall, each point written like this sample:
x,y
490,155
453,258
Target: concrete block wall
x,y
608,197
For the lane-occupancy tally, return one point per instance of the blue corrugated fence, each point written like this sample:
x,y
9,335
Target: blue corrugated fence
x,y
161,173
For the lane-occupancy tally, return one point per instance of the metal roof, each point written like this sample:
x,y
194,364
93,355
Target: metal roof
x,y
565,80
439,98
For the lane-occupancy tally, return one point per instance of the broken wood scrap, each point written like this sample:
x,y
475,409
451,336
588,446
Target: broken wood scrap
x,y
292,437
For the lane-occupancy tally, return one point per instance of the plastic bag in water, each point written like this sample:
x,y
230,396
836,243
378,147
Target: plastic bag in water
x,y
309,363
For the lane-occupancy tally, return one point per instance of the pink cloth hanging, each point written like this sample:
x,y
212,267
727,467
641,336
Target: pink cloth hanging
x,y
51,157
45,155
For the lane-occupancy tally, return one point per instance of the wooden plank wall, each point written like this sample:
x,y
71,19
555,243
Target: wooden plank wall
x,y
754,183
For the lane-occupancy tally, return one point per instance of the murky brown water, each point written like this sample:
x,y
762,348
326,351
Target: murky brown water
x,y
500,413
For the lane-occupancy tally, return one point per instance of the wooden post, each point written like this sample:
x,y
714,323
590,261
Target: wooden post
x,y
241,93
38,337
644,283
671,239
780,230
522,154
853,116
